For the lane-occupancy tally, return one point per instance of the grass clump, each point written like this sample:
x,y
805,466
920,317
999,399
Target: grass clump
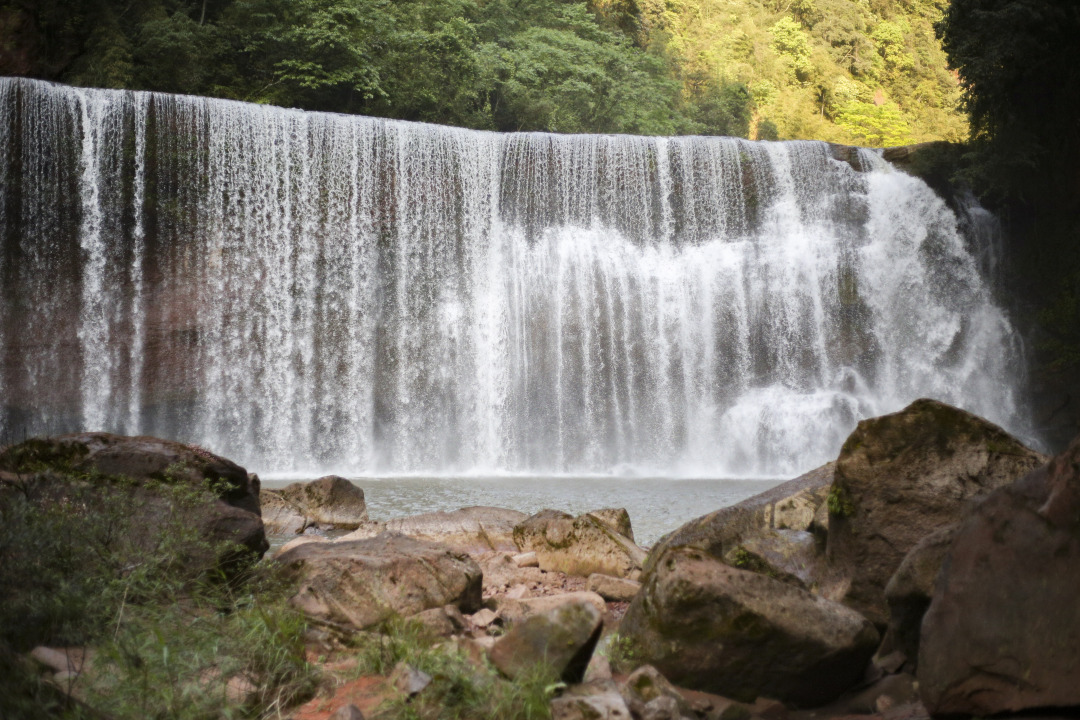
x,y
173,635
463,687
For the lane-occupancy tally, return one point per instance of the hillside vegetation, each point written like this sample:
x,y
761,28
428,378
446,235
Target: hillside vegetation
x,y
859,71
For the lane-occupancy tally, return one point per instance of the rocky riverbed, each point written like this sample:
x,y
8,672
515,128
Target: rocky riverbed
x,y
932,569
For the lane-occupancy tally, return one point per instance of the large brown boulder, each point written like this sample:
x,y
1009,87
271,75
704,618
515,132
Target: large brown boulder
x,y
473,529
578,546
708,626
138,467
899,478
364,582
791,505
1002,634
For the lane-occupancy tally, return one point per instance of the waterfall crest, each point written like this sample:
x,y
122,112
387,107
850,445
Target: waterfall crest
x,y
306,291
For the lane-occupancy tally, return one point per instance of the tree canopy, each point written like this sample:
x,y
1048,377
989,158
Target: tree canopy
x,y
865,71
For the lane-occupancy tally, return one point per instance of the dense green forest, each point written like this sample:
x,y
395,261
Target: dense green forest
x,y
1019,65
859,71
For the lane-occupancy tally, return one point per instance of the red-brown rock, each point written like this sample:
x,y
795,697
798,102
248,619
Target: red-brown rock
x,y
1002,633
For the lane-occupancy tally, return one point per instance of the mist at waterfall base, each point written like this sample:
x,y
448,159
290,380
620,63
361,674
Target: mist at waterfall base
x,y
308,293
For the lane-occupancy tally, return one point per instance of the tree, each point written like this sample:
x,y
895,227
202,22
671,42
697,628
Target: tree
x,y
1019,64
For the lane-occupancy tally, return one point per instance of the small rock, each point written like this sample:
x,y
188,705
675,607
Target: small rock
x,y
408,679
594,701
646,685
486,641
513,611
444,621
483,618
613,588
517,592
240,690
366,530
347,712
563,637
887,692
769,709
526,560
599,669
661,708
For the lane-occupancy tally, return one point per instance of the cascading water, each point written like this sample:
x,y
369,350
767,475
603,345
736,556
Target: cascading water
x,y
311,291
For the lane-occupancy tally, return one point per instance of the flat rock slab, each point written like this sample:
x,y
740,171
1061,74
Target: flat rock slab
x,y
363,582
708,626
472,529
611,588
1002,634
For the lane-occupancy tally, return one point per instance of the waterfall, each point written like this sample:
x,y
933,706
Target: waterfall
x,y
307,291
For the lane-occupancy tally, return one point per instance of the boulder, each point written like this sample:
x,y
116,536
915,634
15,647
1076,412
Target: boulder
x,y
578,546
563,637
790,505
791,556
331,501
1002,633
132,471
909,591
708,626
612,588
473,529
363,582
899,478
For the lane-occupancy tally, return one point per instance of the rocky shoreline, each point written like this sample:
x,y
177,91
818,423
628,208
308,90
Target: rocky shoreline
x,y
931,570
